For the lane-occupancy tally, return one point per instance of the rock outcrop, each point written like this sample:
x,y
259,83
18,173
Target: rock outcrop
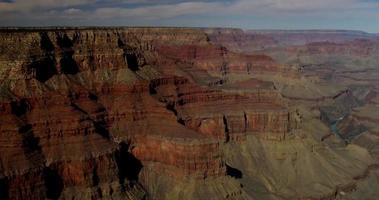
x,y
89,108
147,113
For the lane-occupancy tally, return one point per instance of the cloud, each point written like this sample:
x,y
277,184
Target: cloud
x,y
27,5
298,6
160,11
150,12
30,5
72,11
171,8
239,7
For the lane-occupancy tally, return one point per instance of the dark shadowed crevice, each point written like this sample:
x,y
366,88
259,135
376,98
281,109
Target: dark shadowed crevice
x,y
120,43
226,128
4,189
43,69
132,61
129,56
19,108
101,129
76,107
95,177
111,191
181,121
171,107
30,143
180,102
99,193
233,172
53,183
67,63
152,90
64,41
92,96
128,165
25,128
46,43
245,120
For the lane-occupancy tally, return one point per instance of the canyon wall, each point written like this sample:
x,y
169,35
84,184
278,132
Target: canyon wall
x,y
181,113
84,110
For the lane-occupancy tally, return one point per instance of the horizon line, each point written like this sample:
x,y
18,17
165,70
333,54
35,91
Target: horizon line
x,y
62,27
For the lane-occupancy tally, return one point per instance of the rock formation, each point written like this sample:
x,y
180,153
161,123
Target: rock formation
x,y
145,113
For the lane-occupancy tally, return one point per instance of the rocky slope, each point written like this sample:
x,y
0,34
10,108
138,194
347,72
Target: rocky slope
x,y
164,113
333,74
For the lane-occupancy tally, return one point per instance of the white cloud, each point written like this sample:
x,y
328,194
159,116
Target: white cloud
x,y
72,11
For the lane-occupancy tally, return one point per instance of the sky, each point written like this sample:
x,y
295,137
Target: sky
x,y
247,14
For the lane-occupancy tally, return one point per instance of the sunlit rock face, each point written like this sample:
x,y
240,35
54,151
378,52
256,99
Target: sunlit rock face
x,y
176,113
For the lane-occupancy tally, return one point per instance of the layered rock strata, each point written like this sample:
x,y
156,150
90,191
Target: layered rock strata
x,y
88,109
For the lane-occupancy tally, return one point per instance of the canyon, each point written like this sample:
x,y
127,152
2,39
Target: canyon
x,y
188,113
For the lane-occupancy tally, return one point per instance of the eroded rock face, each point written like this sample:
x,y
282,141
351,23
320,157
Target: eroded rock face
x,y
87,109
145,113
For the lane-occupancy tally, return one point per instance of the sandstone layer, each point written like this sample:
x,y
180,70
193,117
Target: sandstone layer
x,y
176,113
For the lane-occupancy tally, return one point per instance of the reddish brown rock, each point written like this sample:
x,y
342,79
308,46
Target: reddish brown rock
x,y
89,108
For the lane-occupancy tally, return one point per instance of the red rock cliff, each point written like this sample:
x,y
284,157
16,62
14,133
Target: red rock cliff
x,y
88,108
